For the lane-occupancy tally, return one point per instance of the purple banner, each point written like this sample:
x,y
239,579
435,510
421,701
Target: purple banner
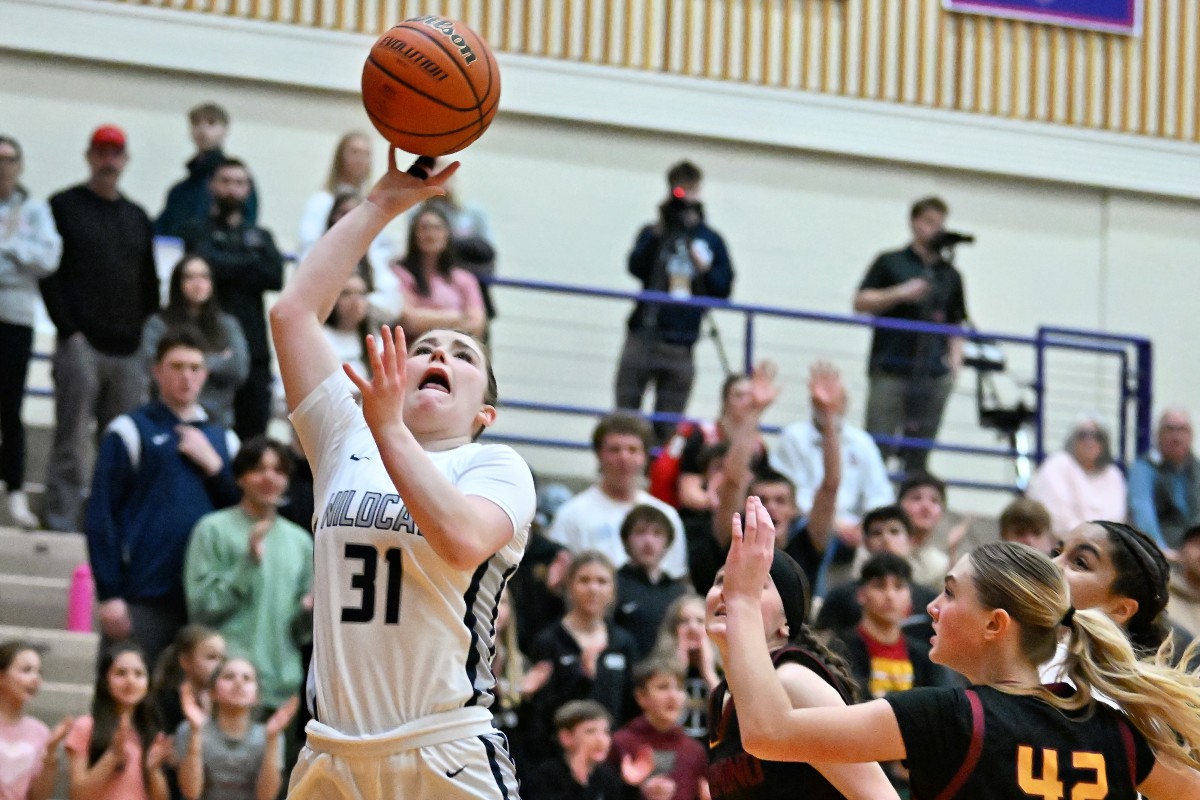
x,y
1118,16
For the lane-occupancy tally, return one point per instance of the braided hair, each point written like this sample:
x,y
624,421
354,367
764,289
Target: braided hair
x,y
1142,574
794,592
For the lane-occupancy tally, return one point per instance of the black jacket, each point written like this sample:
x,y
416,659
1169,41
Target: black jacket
x,y
245,264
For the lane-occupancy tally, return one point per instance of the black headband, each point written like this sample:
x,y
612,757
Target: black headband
x,y
792,586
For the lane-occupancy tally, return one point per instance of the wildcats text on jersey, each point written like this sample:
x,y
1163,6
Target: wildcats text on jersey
x,y
374,510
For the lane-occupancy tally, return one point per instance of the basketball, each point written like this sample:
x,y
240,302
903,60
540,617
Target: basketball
x,y
431,86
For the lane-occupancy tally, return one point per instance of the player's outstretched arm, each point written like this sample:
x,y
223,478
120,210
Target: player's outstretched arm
x,y
771,729
464,530
305,357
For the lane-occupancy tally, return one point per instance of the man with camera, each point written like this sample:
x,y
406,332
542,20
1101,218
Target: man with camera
x,y
911,374
679,254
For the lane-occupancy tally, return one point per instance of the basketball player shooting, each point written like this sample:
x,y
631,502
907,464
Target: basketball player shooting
x,y
417,530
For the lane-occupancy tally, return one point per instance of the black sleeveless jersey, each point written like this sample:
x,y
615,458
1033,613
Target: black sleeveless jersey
x,y
985,744
734,774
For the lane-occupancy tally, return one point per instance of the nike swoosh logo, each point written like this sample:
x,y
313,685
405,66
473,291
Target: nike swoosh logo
x,y
454,774
360,458
160,438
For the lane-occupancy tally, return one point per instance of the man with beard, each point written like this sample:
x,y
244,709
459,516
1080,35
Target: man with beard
x,y
102,293
245,264
679,254
190,199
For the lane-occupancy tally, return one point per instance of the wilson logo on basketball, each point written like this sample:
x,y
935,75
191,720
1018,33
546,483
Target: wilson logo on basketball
x,y
446,28
414,55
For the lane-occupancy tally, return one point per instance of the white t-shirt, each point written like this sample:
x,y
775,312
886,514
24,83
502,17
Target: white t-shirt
x,y
591,520
865,483
398,634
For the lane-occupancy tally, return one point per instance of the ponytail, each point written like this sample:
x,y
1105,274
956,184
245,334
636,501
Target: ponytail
x,y
835,663
1161,701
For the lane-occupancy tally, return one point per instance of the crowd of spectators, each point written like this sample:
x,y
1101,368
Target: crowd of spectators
x,y
198,524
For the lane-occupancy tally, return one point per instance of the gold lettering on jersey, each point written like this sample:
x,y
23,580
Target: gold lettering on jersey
x,y
385,512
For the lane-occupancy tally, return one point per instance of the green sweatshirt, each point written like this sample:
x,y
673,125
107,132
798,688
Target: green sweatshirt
x,y
255,606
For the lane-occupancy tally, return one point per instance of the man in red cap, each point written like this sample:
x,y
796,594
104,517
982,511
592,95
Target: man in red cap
x,y
105,288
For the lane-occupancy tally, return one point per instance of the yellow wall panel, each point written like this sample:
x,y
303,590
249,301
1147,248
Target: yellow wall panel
x,y
903,51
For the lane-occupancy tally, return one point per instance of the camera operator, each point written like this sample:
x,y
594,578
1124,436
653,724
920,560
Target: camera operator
x,y
681,255
911,374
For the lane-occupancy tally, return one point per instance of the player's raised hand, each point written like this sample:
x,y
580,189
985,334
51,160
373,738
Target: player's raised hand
x,y
383,394
750,553
398,191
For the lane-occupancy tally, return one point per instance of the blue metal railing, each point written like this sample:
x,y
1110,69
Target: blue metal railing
x,y
1135,381
1133,353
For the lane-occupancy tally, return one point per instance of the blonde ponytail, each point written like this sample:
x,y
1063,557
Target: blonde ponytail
x,y
1163,702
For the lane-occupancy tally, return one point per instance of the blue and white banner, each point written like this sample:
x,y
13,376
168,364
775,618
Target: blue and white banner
x,y
1114,16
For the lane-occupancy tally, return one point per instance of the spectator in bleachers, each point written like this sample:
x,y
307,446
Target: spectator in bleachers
x,y
191,199
1184,589
161,468
349,323
882,657
29,760
1028,522
536,588
911,374
679,254
191,302
680,762
865,483
923,498
105,288
582,728
192,660
30,248
347,177
643,591
386,297
1080,482
582,656
471,235
682,638
223,753
245,266
591,520
118,753
248,572
804,538
1164,484
677,474
437,292
885,530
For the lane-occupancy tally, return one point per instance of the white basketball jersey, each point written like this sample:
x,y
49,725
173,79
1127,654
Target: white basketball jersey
x,y
398,634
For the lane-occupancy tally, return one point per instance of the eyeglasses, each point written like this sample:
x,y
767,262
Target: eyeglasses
x,y
1086,434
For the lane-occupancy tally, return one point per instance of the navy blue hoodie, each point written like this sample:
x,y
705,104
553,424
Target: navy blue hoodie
x,y
146,497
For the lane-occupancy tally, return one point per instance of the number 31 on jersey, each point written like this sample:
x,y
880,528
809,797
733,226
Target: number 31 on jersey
x,y
364,581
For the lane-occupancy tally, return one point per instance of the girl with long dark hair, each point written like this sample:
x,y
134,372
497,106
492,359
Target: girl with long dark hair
x,y
191,303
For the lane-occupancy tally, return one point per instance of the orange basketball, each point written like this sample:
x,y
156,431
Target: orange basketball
x,y
431,86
